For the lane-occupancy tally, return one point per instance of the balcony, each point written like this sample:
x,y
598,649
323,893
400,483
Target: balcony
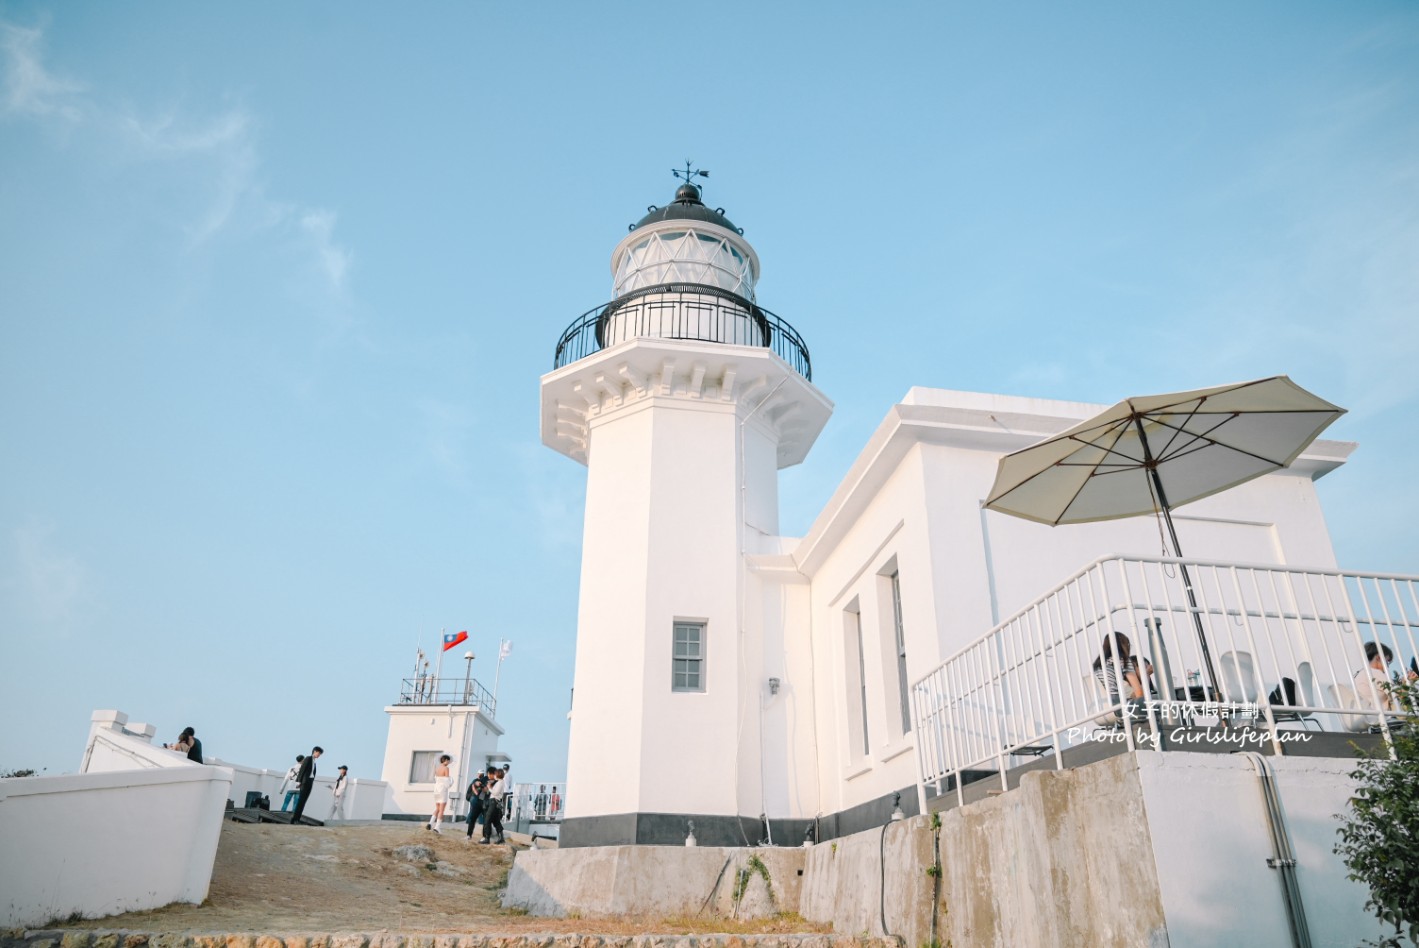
x,y
1258,658
683,311
447,691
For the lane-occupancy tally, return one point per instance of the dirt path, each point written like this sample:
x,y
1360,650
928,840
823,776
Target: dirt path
x,y
273,877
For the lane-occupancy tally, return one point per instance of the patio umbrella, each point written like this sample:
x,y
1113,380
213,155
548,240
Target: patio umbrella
x,y
1151,454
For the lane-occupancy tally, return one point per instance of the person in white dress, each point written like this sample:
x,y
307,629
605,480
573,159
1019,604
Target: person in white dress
x,y
442,782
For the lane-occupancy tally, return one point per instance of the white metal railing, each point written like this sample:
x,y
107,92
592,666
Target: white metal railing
x,y
1218,639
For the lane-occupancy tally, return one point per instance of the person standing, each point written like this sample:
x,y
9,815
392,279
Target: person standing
x,y
476,795
493,816
442,783
539,803
338,804
289,786
305,779
556,804
194,752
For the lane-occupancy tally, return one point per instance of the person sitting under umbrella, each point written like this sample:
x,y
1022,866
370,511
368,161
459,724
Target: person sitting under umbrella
x,y
1376,669
1134,669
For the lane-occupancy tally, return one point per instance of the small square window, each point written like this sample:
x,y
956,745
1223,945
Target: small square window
x,y
421,766
687,666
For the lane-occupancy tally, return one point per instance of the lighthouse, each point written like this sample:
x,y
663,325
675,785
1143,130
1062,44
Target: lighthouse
x,y
684,398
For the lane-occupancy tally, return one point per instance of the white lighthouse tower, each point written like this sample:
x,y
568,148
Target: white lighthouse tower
x,y
683,398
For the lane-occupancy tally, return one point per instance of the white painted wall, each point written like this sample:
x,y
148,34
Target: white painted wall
x,y
914,497
364,798
1210,842
137,830
683,443
463,732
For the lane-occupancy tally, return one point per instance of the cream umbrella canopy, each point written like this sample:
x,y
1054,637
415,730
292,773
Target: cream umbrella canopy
x,y
1151,454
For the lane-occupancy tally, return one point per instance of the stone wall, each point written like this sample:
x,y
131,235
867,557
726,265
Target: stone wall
x,y
18,938
656,880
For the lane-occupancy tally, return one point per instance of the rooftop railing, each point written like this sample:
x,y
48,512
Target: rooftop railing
x,y
455,691
683,311
1287,653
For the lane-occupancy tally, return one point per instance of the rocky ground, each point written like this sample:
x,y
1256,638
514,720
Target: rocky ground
x,y
366,878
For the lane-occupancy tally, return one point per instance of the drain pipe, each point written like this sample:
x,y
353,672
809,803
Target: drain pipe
x,y
1283,858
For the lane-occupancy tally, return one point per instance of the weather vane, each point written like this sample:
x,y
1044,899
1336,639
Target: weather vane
x,y
689,172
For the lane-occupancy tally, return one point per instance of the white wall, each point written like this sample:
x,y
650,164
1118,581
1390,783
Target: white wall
x,y
889,533
683,443
110,840
914,497
1210,841
364,798
461,731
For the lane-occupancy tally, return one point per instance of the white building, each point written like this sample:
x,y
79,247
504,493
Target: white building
x,y
761,685
436,716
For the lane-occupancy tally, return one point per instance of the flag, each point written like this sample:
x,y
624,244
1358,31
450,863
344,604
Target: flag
x,y
450,639
505,649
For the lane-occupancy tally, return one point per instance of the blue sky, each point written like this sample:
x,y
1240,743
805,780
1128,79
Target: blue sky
x,y
277,282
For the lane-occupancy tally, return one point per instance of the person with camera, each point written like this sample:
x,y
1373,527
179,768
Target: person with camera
x,y
476,795
493,807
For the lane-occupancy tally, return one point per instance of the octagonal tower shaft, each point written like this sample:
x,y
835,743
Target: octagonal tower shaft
x,y
683,441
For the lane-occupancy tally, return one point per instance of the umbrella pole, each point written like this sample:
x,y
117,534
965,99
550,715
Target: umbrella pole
x,y
1152,467
1186,578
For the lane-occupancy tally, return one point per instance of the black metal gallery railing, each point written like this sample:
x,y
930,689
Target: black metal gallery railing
x,y
449,690
683,311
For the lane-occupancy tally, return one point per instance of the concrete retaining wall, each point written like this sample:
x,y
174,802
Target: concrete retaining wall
x,y
657,880
1138,849
844,882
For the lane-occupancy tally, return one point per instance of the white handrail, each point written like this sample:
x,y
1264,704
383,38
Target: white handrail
x,y
1020,684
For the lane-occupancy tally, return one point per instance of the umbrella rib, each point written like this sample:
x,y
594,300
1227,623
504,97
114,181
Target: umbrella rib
x,y
1206,438
1111,448
1159,456
1118,433
1042,472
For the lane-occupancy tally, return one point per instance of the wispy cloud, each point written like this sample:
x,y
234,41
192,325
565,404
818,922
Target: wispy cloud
x,y
319,227
30,89
219,152
224,144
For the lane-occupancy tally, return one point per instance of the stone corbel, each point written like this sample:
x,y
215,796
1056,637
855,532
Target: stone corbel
x,y
638,383
726,384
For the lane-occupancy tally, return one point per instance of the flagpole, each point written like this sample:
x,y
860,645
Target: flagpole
x,y
497,676
438,669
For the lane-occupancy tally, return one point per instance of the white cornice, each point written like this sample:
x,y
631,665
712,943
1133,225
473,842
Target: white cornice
x,y
640,372
997,424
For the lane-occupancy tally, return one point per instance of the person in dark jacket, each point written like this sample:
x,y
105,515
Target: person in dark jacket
x,y
194,753
305,779
187,743
477,790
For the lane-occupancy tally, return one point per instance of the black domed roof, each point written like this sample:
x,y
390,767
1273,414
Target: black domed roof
x,y
687,206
